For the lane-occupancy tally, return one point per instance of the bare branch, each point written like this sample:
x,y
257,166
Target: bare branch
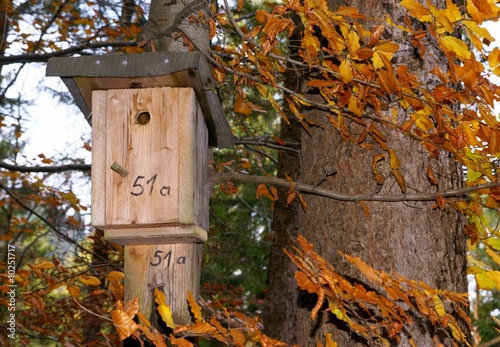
x,y
314,190
48,169
490,343
43,57
48,223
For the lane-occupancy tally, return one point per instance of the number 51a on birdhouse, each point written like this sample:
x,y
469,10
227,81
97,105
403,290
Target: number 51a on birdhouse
x,y
149,165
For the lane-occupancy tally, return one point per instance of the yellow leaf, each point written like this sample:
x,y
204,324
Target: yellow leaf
x,y
43,265
452,11
354,45
494,57
481,32
483,6
389,47
417,9
164,308
484,280
354,107
393,159
439,306
89,280
346,71
474,12
494,255
453,44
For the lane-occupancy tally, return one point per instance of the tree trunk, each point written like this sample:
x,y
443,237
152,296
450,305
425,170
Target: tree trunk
x,y
413,239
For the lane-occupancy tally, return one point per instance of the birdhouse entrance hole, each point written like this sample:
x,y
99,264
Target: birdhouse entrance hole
x,y
142,117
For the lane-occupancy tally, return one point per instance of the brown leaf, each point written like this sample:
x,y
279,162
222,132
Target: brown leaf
x,y
432,178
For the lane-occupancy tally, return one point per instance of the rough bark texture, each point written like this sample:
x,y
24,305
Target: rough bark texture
x,y
168,25
413,239
282,296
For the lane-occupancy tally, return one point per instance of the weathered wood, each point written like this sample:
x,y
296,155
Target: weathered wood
x,y
173,269
159,137
82,75
98,196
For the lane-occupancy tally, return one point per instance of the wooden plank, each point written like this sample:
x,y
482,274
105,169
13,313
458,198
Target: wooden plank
x,y
157,235
98,191
149,152
174,269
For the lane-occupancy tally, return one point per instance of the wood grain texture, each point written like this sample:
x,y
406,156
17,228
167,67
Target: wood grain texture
x,y
98,196
173,269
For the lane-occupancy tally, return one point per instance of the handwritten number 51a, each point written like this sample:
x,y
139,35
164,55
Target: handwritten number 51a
x,y
138,187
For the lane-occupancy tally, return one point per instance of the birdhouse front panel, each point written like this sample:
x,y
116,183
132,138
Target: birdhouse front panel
x,y
149,147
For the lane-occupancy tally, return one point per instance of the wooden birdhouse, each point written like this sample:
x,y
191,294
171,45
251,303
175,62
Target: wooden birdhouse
x,y
153,117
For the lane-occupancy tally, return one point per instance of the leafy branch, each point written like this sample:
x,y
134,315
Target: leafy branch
x,y
327,193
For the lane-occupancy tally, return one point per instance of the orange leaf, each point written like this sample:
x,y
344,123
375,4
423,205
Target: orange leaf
x,y
181,342
365,209
431,176
125,326
43,265
242,106
366,269
401,180
303,202
132,307
201,328
195,308
290,197
115,286
74,291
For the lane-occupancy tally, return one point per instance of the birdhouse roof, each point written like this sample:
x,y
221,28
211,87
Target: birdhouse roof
x,y
84,74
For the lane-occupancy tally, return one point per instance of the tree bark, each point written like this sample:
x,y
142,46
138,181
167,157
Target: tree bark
x,y
413,239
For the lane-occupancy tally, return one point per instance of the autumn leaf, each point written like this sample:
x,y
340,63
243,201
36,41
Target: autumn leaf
x,y
74,291
346,71
458,47
417,9
164,308
43,265
195,308
430,175
366,269
124,325
181,342
115,286
89,280
199,328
